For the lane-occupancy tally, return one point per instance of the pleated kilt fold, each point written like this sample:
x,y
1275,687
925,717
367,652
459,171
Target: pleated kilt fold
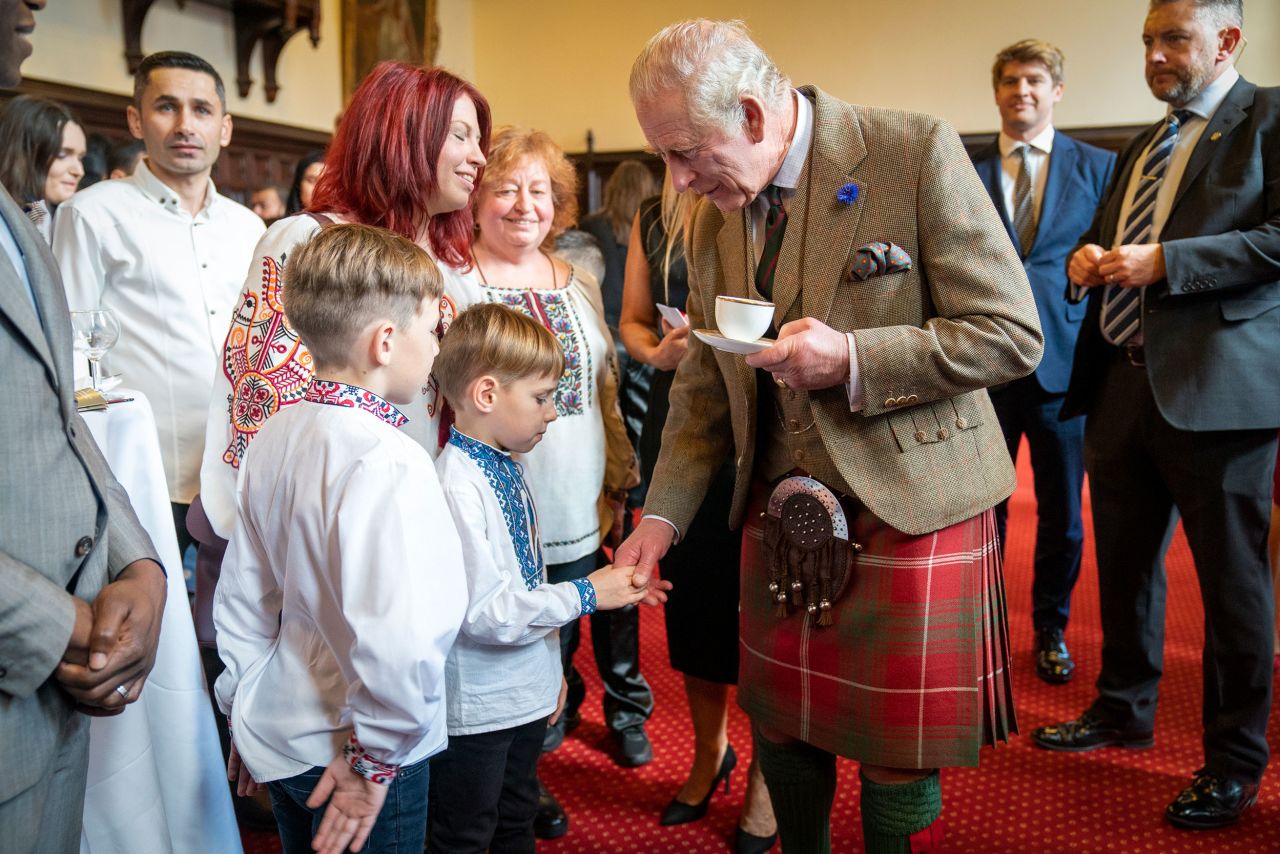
x,y
914,672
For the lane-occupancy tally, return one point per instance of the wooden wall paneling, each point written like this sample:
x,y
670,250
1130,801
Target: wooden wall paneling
x,y
261,152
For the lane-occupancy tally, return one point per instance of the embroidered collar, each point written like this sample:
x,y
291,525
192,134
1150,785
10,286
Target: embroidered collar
x,y
509,487
343,394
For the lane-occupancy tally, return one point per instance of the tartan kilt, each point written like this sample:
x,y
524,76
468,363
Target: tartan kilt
x,y
914,671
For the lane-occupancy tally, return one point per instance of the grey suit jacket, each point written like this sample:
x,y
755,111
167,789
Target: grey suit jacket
x,y
1212,328
66,526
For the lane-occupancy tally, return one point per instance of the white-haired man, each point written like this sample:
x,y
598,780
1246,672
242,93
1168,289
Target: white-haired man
x,y
899,298
1175,368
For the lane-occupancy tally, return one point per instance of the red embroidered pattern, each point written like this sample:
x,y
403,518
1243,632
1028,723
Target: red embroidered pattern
x,y
366,766
342,394
267,364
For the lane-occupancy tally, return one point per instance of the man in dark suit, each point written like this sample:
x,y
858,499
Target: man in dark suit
x,y
81,593
1176,368
1046,187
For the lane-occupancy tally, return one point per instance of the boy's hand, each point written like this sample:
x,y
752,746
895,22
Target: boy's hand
x,y
239,774
354,804
560,701
614,588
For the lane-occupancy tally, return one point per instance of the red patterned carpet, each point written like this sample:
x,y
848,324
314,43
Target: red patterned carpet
x,y
1022,799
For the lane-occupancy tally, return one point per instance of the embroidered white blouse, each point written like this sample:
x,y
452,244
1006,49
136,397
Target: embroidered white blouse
x,y
341,592
171,279
504,669
586,448
263,368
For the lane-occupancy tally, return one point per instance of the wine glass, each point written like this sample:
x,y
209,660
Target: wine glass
x,y
96,332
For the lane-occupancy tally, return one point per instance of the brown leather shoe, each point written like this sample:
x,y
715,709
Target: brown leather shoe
x,y
1053,659
1211,802
1089,732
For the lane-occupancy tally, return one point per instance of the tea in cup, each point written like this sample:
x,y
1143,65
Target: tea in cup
x,y
743,319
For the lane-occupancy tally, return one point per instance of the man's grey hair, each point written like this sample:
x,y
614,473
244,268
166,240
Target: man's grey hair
x,y
1217,13
715,64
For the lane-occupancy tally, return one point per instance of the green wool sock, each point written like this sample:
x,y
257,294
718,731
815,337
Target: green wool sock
x,y
890,814
802,785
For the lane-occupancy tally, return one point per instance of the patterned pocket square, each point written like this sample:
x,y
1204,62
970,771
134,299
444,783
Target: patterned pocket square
x,y
878,259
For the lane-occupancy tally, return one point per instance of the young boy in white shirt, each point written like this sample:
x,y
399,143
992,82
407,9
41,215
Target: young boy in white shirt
x,y
343,589
499,370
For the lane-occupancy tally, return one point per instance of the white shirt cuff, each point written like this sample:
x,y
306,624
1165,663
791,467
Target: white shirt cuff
x,y
854,384
668,521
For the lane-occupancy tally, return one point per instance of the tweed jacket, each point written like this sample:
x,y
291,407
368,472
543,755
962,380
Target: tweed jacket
x,y
66,526
925,451
1211,329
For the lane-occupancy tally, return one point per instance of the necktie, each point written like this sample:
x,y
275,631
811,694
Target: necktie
x,y
1122,307
775,223
1024,199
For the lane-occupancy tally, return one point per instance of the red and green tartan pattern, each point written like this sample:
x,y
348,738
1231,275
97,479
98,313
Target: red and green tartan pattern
x,y
914,672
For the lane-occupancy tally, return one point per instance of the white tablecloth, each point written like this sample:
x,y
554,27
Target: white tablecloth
x,y
157,783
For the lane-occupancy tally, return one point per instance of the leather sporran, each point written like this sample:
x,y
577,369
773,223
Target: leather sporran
x,y
807,547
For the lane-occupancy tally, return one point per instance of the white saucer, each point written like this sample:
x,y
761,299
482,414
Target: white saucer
x,y
732,345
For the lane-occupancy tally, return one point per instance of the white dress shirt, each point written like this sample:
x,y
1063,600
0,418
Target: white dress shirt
x,y
1039,150
504,669
341,592
171,278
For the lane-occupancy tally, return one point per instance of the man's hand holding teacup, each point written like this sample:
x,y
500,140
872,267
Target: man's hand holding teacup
x,y
808,355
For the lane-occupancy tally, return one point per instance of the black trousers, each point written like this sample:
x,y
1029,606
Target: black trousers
x,y
615,640
1142,473
484,792
1057,460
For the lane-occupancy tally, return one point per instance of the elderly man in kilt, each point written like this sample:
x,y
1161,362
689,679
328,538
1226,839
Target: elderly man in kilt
x,y
868,455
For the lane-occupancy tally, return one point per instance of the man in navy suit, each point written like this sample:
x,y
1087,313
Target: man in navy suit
x,y
1046,187
1176,368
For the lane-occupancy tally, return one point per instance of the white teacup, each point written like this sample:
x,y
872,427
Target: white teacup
x,y
742,319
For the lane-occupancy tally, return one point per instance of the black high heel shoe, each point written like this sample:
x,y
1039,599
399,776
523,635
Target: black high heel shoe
x,y
678,812
749,843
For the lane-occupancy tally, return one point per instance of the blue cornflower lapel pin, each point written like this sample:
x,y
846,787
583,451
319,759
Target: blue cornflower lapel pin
x,y
848,194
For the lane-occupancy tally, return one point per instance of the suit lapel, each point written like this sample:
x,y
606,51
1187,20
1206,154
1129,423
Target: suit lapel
x,y
737,256
13,302
988,166
824,244
1225,119
1062,165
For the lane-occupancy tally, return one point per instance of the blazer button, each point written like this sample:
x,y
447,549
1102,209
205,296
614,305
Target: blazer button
x,y
911,398
798,455
962,424
942,435
920,436
902,401
890,403
83,545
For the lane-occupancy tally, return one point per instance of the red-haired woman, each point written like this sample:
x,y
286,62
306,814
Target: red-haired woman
x,y
407,156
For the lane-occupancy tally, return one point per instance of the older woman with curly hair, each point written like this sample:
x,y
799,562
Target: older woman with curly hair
x,y
580,471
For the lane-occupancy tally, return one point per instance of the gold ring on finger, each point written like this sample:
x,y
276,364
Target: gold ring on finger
x,y
779,381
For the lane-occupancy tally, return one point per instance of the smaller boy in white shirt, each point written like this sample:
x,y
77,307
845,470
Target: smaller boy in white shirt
x,y
342,588
499,370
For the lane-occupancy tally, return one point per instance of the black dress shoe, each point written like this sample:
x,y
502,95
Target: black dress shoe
x,y
749,843
1053,660
632,747
1210,802
550,821
1089,732
556,732
678,812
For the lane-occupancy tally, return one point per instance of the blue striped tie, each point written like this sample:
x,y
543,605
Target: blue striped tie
x,y
1122,307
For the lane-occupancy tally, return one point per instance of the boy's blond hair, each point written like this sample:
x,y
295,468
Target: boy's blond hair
x,y
492,340
349,275
1029,51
